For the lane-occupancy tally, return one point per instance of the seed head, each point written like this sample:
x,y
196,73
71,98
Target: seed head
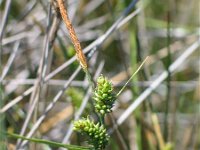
x,y
97,133
104,96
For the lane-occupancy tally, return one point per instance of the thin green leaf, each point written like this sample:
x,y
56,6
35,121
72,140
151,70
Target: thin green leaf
x,y
50,143
132,76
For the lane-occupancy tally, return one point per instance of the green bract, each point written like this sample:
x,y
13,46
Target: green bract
x,y
97,133
104,96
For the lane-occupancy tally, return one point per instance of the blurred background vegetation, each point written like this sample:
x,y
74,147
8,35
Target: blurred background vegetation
x,y
36,52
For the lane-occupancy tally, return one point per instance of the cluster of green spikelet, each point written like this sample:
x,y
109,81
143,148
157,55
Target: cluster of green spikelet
x,y
104,100
97,133
104,96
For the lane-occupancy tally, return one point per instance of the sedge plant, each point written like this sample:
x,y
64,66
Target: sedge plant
x,y
104,99
104,96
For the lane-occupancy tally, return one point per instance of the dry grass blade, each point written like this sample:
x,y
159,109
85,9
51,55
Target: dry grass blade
x,y
50,106
10,61
92,46
4,20
157,82
45,61
48,46
158,131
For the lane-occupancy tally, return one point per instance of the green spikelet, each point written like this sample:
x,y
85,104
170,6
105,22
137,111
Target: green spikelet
x,y
97,133
104,96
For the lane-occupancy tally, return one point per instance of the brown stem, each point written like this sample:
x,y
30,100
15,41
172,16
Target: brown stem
x,y
79,53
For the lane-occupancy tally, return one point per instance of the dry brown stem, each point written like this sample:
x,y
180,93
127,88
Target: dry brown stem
x,y
79,53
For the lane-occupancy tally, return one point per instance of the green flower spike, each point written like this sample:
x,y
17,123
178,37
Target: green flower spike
x,y
104,96
98,136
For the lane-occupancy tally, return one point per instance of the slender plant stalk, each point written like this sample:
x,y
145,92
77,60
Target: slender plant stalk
x,y
158,131
101,119
166,126
54,144
2,121
2,31
50,106
93,46
79,52
138,69
157,82
83,105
